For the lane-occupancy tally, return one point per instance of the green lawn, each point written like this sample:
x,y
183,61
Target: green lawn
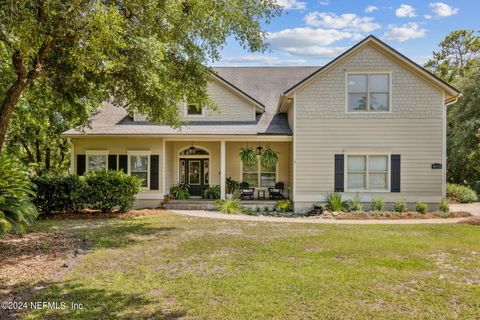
x,y
166,266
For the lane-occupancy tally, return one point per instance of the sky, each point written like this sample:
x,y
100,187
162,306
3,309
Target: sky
x,y
314,32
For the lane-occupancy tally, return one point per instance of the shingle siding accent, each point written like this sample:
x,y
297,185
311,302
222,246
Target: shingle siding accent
x,y
413,128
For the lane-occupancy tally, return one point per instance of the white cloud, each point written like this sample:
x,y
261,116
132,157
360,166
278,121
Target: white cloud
x,y
261,60
404,32
324,3
315,51
304,37
370,9
405,11
442,9
292,4
428,17
347,21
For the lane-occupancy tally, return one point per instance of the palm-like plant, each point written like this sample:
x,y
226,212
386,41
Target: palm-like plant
x,y
16,193
336,203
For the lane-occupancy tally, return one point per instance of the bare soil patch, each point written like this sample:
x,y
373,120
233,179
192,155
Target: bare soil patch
x,y
474,221
90,214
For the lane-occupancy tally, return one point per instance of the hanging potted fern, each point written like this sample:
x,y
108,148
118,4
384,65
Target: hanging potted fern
x,y
248,156
269,158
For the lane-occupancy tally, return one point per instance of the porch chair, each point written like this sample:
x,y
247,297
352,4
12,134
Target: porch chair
x,y
246,192
276,192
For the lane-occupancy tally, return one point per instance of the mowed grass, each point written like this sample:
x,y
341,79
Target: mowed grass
x,y
166,266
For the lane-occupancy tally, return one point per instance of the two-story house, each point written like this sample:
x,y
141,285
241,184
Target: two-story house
x,y
370,122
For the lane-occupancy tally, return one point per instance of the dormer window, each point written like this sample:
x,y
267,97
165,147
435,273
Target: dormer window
x,y
368,92
194,110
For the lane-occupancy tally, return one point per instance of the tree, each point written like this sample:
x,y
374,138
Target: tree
x,y
36,124
457,51
464,130
145,55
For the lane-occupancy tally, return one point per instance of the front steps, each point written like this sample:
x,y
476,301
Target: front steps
x,y
203,204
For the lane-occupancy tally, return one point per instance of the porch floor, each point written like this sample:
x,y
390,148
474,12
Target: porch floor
x,y
204,204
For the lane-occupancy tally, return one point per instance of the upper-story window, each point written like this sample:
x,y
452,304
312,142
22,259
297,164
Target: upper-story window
x,y
368,92
194,110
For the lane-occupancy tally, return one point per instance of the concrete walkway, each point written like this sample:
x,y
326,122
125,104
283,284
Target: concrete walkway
x,y
473,208
241,217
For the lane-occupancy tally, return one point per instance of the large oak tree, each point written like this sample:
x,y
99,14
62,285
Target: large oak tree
x,y
143,54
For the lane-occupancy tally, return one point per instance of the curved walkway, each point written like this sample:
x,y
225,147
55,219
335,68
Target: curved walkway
x,y
242,217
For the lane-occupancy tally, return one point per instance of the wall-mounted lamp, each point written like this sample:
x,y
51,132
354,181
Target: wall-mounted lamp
x,y
259,151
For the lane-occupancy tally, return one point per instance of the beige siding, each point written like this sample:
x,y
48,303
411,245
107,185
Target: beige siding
x,y
119,146
413,129
231,107
290,116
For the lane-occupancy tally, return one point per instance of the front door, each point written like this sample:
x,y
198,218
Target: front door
x,y
196,174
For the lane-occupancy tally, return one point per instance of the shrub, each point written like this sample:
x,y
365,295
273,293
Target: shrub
x,y
443,207
107,189
180,191
356,205
16,193
248,211
462,194
400,206
284,205
56,193
421,207
231,206
377,204
335,202
212,192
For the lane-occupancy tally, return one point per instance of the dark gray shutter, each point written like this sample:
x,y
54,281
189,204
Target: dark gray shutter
x,y
112,162
123,163
339,172
81,163
154,168
395,174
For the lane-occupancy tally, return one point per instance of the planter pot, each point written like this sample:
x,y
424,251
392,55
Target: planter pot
x,y
229,196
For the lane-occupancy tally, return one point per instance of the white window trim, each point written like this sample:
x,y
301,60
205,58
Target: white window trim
x,y
367,72
185,111
259,173
140,153
367,155
89,153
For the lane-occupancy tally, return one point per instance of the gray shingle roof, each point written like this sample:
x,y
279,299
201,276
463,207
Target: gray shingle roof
x,y
264,84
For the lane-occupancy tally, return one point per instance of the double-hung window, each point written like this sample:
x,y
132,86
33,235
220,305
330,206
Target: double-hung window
x,y
139,166
259,175
367,172
96,160
368,92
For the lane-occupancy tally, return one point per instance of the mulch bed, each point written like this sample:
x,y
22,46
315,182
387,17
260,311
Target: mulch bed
x,y
90,214
403,215
474,221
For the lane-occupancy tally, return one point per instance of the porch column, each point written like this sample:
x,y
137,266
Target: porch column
x,y
222,170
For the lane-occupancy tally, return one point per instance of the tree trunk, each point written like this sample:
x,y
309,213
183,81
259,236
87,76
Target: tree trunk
x,y
47,159
7,106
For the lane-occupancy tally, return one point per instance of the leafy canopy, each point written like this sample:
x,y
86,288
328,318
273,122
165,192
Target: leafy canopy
x,y
146,55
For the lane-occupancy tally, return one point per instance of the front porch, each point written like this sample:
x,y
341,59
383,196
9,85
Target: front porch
x,y
203,204
210,162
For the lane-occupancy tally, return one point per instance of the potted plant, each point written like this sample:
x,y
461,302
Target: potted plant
x,y
248,156
232,185
180,191
212,192
269,158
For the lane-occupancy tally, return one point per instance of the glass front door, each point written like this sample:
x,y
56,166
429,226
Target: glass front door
x,y
195,173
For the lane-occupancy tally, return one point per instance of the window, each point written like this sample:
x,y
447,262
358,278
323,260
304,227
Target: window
x,y
258,175
138,166
96,160
194,110
368,92
367,172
